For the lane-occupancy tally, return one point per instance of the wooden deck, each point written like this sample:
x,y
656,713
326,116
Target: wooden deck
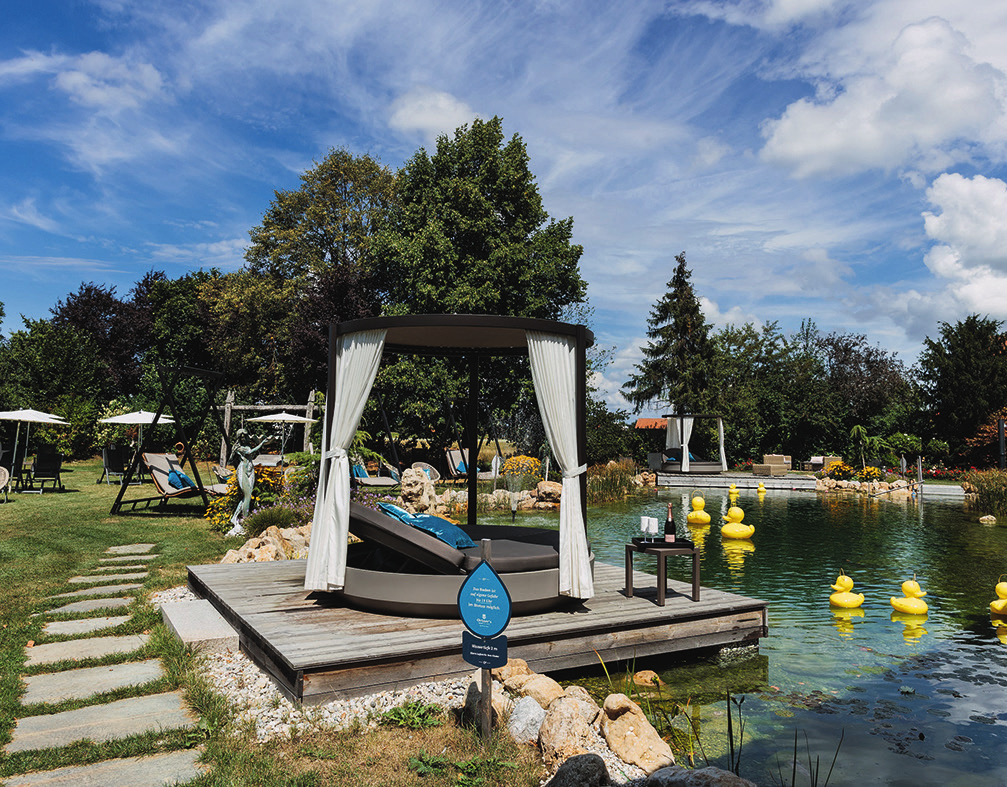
x,y
317,649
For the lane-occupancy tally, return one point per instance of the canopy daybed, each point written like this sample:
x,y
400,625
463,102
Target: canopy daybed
x,y
361,575
676,457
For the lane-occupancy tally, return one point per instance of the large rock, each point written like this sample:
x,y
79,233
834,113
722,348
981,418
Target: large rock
x,y
584,770
564,733
543,689
525,720
291,543
512,668
549,491
589,709
677,776
417,491
631,736
500,702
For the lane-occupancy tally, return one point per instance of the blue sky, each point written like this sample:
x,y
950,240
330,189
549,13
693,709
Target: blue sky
x,y
840,161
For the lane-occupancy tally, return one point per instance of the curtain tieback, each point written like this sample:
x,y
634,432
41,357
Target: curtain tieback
x,y
334,453
575,472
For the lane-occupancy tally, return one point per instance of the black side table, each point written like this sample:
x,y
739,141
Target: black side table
x,y
662,549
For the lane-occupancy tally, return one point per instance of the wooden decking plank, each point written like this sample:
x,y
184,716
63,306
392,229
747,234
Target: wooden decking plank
x,y
317,648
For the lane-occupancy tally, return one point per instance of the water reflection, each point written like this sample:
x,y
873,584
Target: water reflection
x,y
912,629
842,619
735,552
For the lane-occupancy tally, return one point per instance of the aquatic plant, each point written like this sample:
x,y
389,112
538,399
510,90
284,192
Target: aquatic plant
x,y
990,491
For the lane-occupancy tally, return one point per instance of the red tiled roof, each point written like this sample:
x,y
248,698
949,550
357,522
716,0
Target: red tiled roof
x,y
651,423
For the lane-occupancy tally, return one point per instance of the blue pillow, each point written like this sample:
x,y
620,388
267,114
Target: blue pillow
x,y
179,480
397,513
462,468
359,471
449,533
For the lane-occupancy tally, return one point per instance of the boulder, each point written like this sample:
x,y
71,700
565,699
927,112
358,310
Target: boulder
x,y
543,689
549,491
677,776
513,667
564,733
631,736
588,708
417,491
525,720
500,702
989,519
647,678
584,770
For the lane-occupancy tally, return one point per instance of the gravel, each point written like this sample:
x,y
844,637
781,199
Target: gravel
x,y
270,715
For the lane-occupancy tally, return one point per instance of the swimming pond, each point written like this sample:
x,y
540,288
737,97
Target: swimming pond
x,y
917,702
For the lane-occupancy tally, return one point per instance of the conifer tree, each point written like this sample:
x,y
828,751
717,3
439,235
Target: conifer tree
x,y
676,360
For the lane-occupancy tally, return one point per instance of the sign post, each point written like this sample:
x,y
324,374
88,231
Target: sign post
x,y
484,605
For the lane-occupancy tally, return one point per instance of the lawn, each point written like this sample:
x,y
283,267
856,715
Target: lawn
x,y
46,539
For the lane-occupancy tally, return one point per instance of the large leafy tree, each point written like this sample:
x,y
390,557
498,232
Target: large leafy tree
x,y
963,375
469,233
331,220
677,359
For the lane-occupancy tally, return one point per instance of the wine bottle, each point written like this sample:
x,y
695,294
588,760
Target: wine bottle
x,y
669,526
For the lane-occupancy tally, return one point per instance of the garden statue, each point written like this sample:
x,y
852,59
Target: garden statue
x,y
241,457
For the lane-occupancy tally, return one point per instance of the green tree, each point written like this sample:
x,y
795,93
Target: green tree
x,y
469,233
677,359
963,375
331,220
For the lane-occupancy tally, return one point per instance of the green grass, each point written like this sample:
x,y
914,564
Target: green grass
x,y
46,539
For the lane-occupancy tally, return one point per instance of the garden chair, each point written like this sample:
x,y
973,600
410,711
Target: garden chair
x,y
46,468
115,462
360,476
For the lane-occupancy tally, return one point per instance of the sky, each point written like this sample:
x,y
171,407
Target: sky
x,y
844,162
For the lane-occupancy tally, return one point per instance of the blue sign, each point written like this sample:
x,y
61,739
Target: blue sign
x,y
482,652
484,603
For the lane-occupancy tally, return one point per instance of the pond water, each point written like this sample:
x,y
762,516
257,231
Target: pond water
x,y
915,704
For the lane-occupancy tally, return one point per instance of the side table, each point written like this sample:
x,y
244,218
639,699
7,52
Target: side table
x,y
661,550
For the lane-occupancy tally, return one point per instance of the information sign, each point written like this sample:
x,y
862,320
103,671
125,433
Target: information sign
x,y
484,603
482,652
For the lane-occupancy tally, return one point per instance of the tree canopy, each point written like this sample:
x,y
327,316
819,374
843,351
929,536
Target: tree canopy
x,y
676,360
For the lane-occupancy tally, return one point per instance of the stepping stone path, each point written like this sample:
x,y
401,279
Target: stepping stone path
x,y
112,719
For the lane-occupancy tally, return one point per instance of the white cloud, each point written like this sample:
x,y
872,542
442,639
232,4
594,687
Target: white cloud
x,y
110,84
971,224
430,112
25,212
913,107
227,254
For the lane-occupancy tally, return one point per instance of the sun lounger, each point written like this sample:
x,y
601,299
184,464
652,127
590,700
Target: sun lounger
x,y
161,466
399,569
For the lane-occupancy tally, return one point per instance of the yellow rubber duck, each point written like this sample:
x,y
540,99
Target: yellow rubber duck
x,y
843,597
698,516
999,605
734,527
912,602
761,488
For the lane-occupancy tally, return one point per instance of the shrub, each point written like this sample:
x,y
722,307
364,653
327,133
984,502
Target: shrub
x,y
268,490
265,518
871,474
840,471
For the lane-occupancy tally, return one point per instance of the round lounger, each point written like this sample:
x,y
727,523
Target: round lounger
x,y
400,570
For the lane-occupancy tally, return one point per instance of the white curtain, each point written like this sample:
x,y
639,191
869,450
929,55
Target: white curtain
x,y
672,438
358,356
554,374
686,434
723,456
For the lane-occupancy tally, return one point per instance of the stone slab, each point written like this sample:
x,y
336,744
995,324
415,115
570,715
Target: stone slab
x,y
130,549
176,767
108,578
102,722
92,604
121,567
59,628
109,590
92,648
76,684
197,623
127,558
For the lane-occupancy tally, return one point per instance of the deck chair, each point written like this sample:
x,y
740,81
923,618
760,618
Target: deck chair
x,y
46,468
457,460
160,467
430,470
115,461
4,482
360,476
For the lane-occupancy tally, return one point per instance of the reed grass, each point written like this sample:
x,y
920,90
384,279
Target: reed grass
x,y
990,491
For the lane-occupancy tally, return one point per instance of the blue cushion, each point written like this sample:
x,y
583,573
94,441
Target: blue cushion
x,y
449,533
179,480
398,513
461,468
359,471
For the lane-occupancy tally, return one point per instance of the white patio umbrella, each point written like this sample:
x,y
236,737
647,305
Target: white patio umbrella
x,y
283,418
139,418
29,417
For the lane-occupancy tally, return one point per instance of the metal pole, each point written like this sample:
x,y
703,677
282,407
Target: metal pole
x,y
1003,454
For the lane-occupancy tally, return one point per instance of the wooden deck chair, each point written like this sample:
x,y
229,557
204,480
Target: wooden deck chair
x,y
457,460
161,467
360,476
